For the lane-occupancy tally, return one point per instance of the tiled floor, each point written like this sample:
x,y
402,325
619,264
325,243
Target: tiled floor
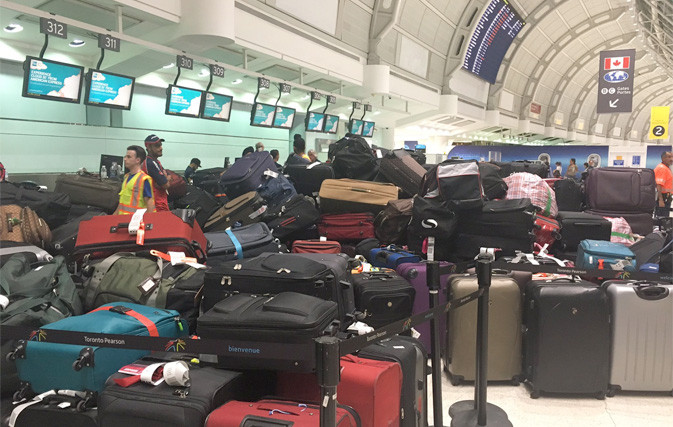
x,y
624,410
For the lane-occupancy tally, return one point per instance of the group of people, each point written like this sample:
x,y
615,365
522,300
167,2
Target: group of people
x,y
571,171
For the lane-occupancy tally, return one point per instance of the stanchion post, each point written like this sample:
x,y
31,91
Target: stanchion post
x,y
433,278
328,368
484,281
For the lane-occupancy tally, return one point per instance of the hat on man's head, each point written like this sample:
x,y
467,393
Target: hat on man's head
x,y
196,161
153,139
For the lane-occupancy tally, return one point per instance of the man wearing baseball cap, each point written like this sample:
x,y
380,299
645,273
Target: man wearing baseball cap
x,y
194,164
152,166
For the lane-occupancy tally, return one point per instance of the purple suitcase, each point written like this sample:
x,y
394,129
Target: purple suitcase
x,y
416,274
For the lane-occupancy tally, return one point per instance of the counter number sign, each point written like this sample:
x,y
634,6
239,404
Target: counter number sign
x,y
107,42
285,88
52,27
216,70
263,83
185,62
331,99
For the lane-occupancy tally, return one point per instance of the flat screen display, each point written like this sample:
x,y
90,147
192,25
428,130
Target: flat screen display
x,y
262,115
55,81
109,90
216,106
494,33
356,127
284,118
368,129
331,124
315,122
183,101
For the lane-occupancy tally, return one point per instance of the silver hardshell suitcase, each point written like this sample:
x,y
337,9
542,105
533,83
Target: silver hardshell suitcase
x,y
642,336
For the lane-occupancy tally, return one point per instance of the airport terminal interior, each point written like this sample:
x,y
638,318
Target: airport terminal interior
x,y
488,80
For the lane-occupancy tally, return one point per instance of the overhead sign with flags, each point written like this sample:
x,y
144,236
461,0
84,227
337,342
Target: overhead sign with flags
x,y
659,117
615,81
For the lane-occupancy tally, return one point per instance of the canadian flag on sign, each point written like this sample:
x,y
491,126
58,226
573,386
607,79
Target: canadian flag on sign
x,y
618,63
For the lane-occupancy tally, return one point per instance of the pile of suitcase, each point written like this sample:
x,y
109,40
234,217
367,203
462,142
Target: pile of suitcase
x,y
281,257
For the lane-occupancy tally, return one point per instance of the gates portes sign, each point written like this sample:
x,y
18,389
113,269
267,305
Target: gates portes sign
x,y
615,81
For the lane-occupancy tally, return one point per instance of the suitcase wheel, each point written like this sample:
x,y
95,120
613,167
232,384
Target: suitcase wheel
x,y
515,381
612,390
21,393
456,379
600,395
19,352
535,394
85,359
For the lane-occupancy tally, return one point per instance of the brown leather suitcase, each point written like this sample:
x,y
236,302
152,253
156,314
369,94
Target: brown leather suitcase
x,y
246,209
354,196
403,170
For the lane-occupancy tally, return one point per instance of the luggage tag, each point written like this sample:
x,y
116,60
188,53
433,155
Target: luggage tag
x,y
271,173
148,286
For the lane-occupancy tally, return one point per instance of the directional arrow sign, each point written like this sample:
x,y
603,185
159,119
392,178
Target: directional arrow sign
x,y
615,81
613,104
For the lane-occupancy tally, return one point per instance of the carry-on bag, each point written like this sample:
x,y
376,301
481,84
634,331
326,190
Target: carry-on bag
x,y
346,227
648,248
390,225
60,408
501,218
494,186
567,339
177,186
402,170
383,297
547,230
641,319
578,226
247,174
7,249
536,168
102,236
504,326
90,190
45,366
569,195
206,176
529,186
641,222
22,225
353,196
202,202
457,182
63,238
276,190
51,207
276,413
352,158
391,257
238,243
292,219
505,170
621,190
287,317
316,247
244,210
307,179
605,255
433,218
163,405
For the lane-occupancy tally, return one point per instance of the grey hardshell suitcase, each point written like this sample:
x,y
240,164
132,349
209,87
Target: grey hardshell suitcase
x,y
504,330
642,336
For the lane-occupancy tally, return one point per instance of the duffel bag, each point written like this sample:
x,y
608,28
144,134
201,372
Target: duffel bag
x,y
52,207
276,190
391,257
352,158
22,225
90,190
390,225
528,186
178,186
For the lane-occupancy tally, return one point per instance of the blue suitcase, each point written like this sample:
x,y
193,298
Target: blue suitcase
x,y
44,366
391,257
605,255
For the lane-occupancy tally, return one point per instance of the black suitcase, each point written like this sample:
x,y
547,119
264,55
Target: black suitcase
x,y
648,249
569,195
288,317
539,169
308,178
251,240
383,297
202,176
289,220
273,273
641,223
577,226
246,209
402,170
48,413
145,405
567,338
77,211
502,218
412,357
64,237
53,208
201,201
505,170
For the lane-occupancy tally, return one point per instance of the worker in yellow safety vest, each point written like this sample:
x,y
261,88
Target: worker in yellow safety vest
x,y
137,192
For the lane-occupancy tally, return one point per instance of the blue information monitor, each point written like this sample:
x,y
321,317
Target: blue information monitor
x,y
493,35
109,90
331,124
356,127
262,115
284,118
315,122
182,101
216,107
55,81
368,129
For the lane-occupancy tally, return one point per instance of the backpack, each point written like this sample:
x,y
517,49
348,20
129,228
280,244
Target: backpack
x,y
456,182
352,158
390,225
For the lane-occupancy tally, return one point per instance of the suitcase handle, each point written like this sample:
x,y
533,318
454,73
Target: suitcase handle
x,y
588,224
651,291
116,228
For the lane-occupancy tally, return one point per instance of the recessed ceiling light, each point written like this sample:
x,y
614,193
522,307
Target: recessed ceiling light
x,y
306,97
13,28
171,65
378,112
203,73
237,81
77,43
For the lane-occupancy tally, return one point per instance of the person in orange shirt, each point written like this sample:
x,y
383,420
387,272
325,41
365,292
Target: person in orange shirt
x,y
664,179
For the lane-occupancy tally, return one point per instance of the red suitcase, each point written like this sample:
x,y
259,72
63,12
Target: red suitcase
x,y
372,387
316,247
102,236
346,227
547,230
275,413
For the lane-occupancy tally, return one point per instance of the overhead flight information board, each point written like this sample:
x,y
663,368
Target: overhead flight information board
x,y
493,35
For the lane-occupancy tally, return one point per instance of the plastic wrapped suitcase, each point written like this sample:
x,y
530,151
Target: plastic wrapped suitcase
x,y
577,226
354,196
202,202
246,209
621,190
504,330
44,366
567,339
307,179
247,173
276,413
287,317
641,223
238,243
402,170
346,227
383,297
90,190
72,412
642,330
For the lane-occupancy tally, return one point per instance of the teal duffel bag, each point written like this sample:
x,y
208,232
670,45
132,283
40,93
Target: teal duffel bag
x,y
44,366
605,255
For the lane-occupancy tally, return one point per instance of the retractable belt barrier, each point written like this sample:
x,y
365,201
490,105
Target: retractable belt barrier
x,y
574,271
